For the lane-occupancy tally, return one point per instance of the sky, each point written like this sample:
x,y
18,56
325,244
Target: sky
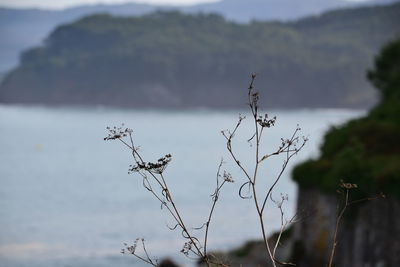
x,y
60,4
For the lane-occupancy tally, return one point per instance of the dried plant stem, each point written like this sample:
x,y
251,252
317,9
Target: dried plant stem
x,y
132,250
173,210
215,199
338,219
148,261
288,147
153,173
154,181
344,188
284,223
253,183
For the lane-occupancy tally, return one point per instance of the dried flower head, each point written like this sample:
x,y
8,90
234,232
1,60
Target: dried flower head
x,y
117,132
130,249
228,177
265,121
187,247
347,185
157,167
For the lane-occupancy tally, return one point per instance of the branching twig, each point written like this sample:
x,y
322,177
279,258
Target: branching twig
x,y
132,250
284,224
289,147
153,173
226,178
344,189
155,182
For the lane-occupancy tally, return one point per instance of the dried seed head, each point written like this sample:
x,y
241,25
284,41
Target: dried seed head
x,y
347,185
228,177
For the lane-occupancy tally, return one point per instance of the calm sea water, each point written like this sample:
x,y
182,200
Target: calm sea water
x,y
66,198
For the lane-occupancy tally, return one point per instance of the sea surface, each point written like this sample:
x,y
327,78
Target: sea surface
x,y
66,198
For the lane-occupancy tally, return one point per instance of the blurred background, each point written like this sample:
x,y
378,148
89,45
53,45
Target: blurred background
x,y
177,73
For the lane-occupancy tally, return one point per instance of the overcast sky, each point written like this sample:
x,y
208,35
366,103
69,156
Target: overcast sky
x,y
59,4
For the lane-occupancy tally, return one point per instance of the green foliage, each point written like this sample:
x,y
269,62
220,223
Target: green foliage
x,y
168,59
386,74
365,151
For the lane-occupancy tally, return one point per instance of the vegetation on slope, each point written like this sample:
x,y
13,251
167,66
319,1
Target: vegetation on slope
x,y
168,59
365,151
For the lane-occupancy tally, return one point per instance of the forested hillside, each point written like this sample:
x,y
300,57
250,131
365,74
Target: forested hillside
x,y
168,59
24,28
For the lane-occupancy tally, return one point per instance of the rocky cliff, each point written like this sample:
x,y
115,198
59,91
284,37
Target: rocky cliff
x,y
369,236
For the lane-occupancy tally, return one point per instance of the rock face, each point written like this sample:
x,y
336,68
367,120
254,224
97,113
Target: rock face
x,y
368,235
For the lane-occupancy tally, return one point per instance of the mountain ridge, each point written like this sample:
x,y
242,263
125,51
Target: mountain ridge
x,y
173,60
36,24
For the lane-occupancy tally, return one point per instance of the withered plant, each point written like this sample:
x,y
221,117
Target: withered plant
x,y
289,147
155,182
196,245
344,202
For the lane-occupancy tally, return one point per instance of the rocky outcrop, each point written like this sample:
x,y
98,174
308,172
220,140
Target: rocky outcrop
x,y
365,151
369,234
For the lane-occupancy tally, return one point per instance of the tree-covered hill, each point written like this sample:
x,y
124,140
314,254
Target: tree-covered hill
x,y
168,59
24,28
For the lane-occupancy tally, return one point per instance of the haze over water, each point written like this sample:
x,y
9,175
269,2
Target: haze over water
x,y
66,198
